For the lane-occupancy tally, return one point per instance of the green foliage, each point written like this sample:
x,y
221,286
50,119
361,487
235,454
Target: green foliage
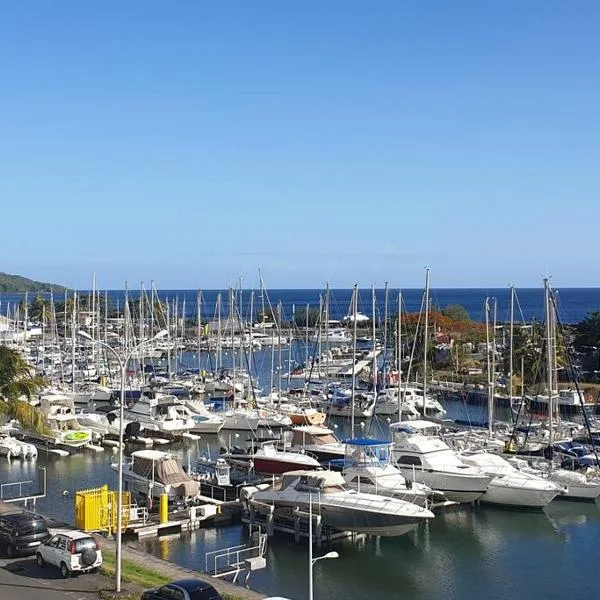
x,y
456,312
15,284
587,333
17,379
304,317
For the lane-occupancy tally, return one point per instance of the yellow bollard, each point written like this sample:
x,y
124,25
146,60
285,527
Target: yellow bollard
x,y
164,508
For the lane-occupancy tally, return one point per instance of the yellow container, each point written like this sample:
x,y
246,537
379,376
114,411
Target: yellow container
x,y
97,509
164,508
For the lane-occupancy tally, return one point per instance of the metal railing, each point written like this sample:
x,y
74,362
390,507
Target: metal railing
x,y
19,485
232,560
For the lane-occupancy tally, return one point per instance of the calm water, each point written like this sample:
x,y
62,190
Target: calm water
x,y
468,553
574,303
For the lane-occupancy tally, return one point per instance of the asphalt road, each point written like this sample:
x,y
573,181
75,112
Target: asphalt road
x,y
22,579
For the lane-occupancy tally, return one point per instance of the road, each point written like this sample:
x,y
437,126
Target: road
x,y
22,579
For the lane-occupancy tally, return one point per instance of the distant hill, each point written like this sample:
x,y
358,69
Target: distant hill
x,y
15,284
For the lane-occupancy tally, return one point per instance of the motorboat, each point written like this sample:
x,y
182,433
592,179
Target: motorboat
x,y
368,468
160,412
422,457
249,419
299,410
267,459
152,473
62,421
205,421
326,494
14,448
320,442
582,483
511,487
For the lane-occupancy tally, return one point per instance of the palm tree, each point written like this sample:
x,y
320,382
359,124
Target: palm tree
x,y
18,379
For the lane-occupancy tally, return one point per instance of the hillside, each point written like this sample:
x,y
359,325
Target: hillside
x,y
15,284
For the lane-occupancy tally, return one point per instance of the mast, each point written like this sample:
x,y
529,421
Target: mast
x,y
492,370
399,353
354,312
510,354
219,357
549,357
425,340
374,343
385,332
488,367
199,329
73,341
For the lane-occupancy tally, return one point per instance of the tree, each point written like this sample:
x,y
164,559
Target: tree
x,y
587,333
456,312
18,379
306,316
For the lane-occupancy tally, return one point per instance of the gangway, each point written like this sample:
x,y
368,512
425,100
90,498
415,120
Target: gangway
x,y
235,559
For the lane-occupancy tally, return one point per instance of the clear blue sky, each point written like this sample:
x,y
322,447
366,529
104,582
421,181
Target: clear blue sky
x,y
193,143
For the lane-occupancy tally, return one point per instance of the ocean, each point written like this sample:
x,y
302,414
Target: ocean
x,y
574,304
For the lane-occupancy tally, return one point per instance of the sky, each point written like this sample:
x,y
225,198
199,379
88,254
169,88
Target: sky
x,y
194,143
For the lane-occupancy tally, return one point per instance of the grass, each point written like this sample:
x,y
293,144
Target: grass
x,y
133,572
139,575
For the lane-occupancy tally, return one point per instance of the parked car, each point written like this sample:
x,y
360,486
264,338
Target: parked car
x,y
22,532
70,551
183,589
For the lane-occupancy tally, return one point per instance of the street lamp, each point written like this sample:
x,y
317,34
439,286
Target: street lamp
x,y
123,366
311,560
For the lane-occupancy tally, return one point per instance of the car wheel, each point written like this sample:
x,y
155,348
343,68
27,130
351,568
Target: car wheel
x,y
10,551
64,570
40,561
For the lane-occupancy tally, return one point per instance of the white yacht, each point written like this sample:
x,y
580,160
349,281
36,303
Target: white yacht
x,y
249,419
13,448
339,507
368,468
320,442
205,421
334,335
579,485
510,486
160,412
424,458
62,421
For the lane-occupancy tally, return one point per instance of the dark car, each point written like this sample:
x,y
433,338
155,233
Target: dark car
x,y
22,532
183,589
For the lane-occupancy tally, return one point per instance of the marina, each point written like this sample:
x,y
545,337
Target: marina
x,y
223,444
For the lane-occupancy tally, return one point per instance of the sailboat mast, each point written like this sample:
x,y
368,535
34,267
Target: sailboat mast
x,y
425,339
354,312
488,366
399,353
549,357
510,352
373,308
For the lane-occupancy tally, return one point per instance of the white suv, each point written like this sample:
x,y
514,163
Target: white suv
x,y
71,552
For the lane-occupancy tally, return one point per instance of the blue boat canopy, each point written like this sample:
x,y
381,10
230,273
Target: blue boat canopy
x,y
366,442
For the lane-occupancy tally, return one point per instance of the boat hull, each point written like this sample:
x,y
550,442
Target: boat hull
x,y
456,487
516,493
343,519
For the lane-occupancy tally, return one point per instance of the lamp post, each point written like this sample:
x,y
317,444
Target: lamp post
x,y
123,366
311,560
